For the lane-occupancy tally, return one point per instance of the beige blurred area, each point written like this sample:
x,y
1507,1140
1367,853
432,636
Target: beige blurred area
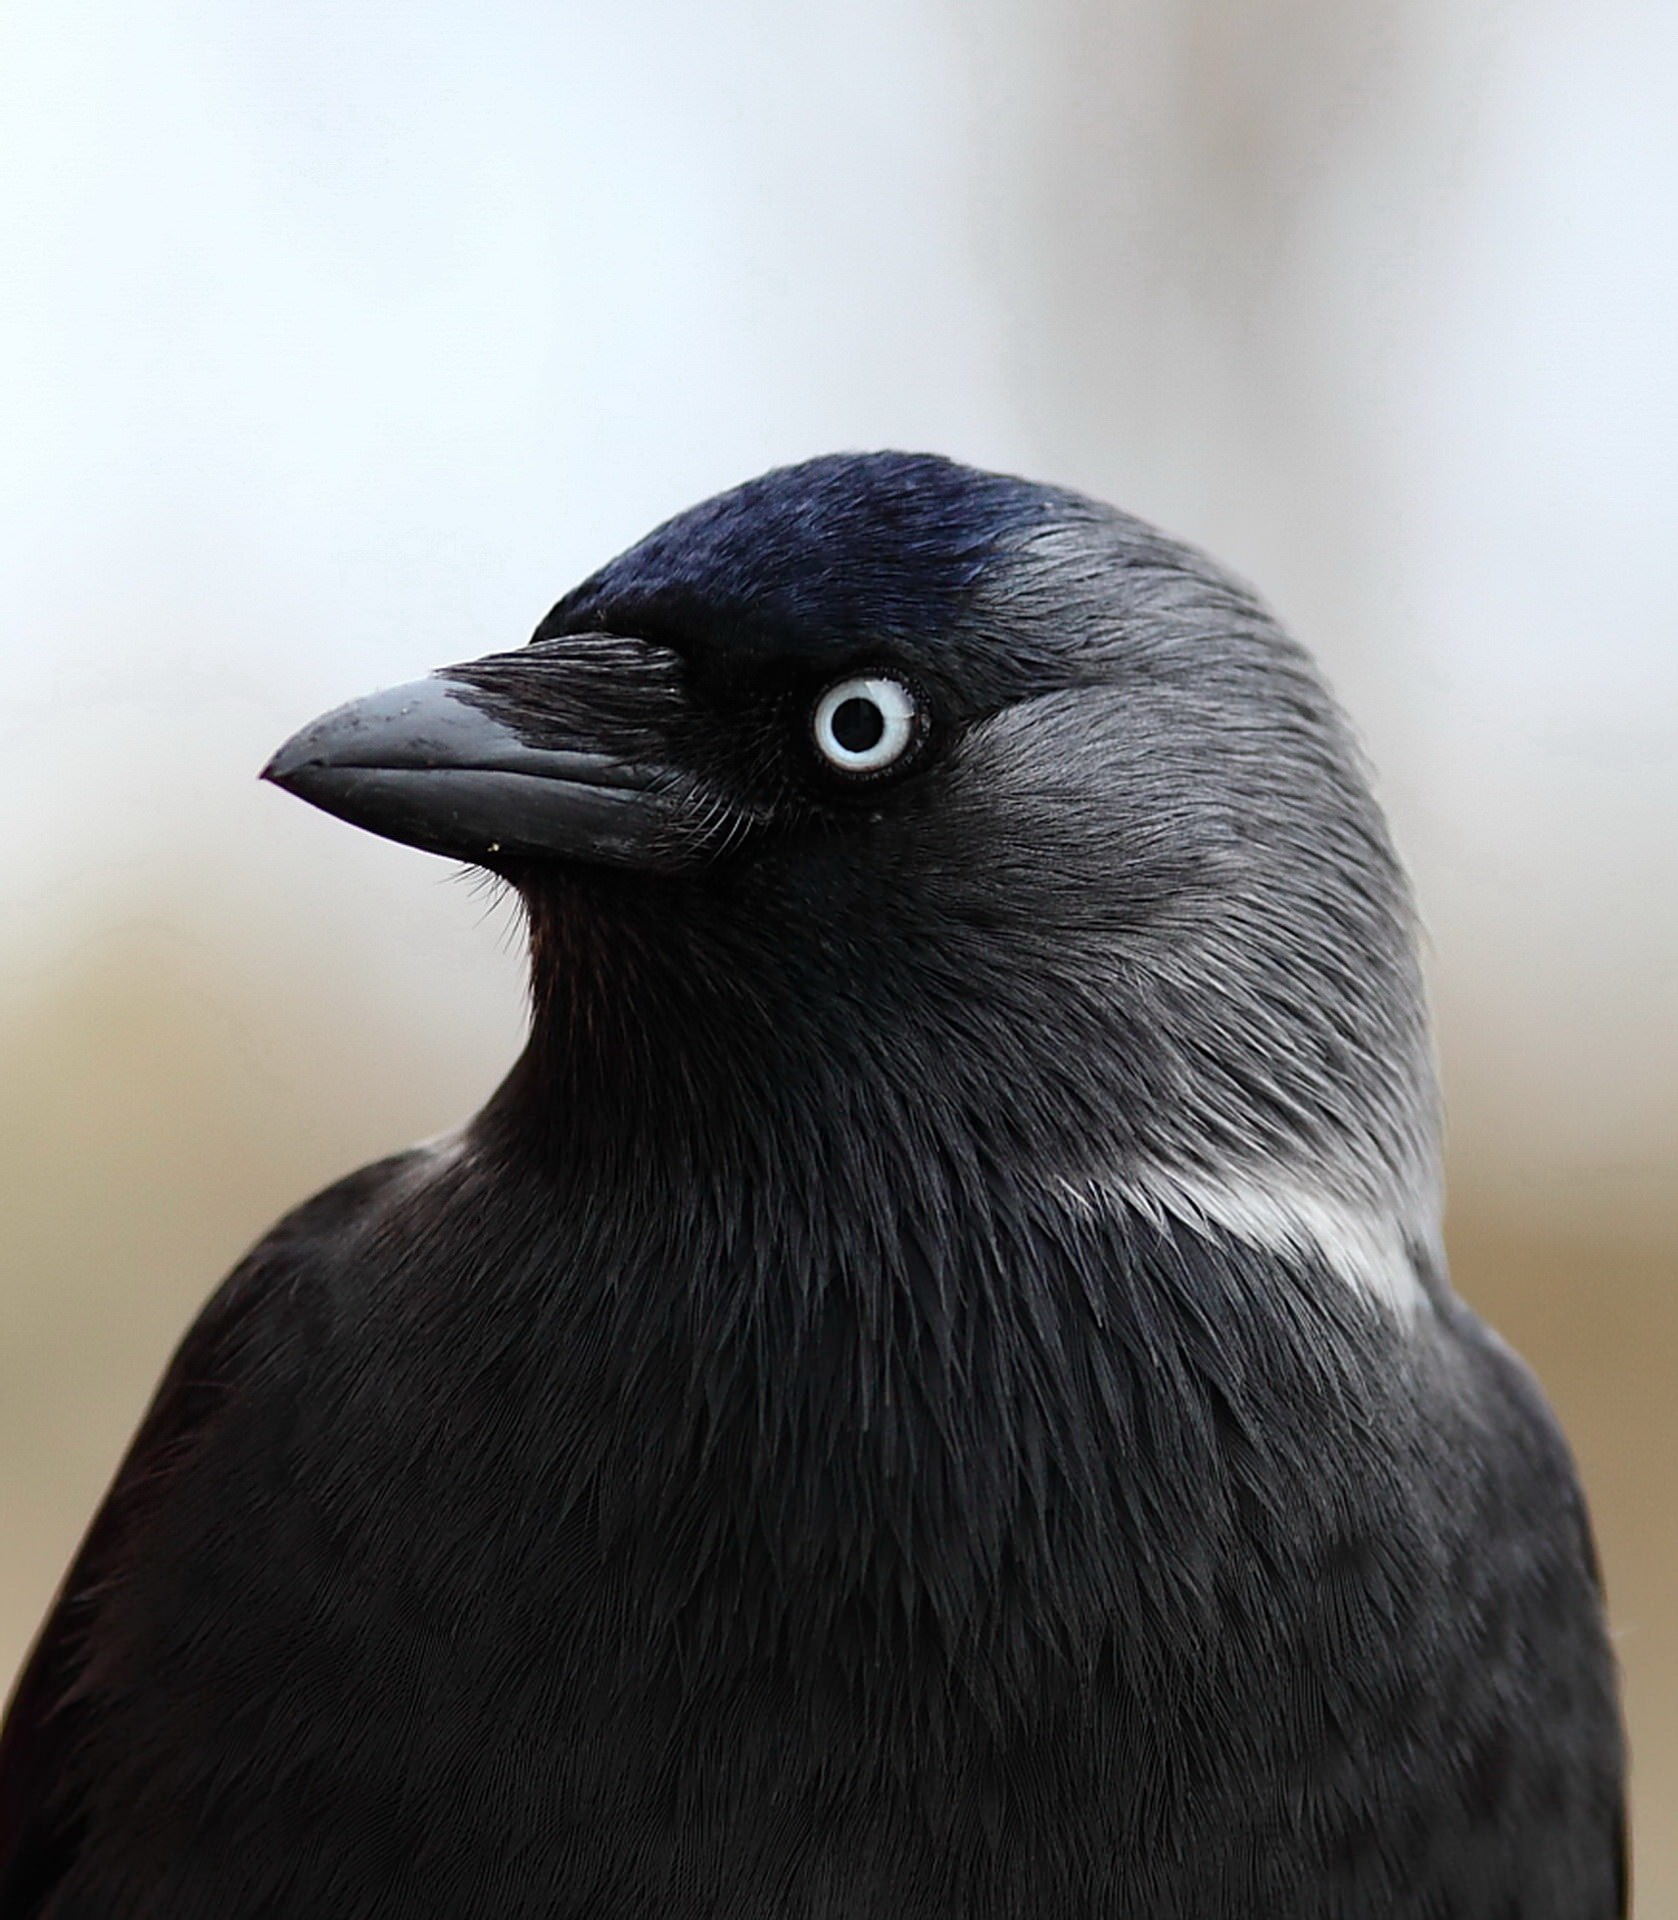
x,y
337,343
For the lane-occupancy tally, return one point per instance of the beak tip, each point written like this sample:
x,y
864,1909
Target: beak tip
x,y
285,764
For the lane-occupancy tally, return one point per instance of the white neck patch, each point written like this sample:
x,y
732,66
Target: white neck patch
x,y
1368,1249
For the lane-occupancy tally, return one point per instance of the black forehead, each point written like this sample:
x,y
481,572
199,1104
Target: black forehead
x,y
824,563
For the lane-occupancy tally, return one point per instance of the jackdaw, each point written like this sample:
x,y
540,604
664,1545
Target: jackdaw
x,y
931,1391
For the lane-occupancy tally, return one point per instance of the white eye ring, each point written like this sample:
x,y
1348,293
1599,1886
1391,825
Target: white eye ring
x,y
864,724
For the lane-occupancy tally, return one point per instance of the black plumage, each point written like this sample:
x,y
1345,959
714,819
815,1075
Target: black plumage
x,y
930,1392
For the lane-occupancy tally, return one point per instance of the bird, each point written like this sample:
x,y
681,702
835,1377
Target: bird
x,y
932,1388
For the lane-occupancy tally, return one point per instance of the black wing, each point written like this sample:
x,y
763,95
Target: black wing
x,y
40,1821
1562,1530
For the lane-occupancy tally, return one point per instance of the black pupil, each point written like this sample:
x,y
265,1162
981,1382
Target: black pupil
x,y
858,724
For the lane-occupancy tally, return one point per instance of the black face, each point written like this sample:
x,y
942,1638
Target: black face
x,y
774,658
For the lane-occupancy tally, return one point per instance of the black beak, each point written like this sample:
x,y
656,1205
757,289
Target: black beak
x,y
457,765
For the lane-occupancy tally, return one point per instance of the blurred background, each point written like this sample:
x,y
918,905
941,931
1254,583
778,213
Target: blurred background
x,y
340,338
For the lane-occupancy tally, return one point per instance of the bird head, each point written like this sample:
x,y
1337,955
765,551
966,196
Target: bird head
x,y
976,806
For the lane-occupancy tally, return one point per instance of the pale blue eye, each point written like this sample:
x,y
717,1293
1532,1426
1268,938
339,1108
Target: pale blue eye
x,y
864,724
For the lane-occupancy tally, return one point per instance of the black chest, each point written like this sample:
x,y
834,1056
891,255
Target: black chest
x,y
1121,1605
